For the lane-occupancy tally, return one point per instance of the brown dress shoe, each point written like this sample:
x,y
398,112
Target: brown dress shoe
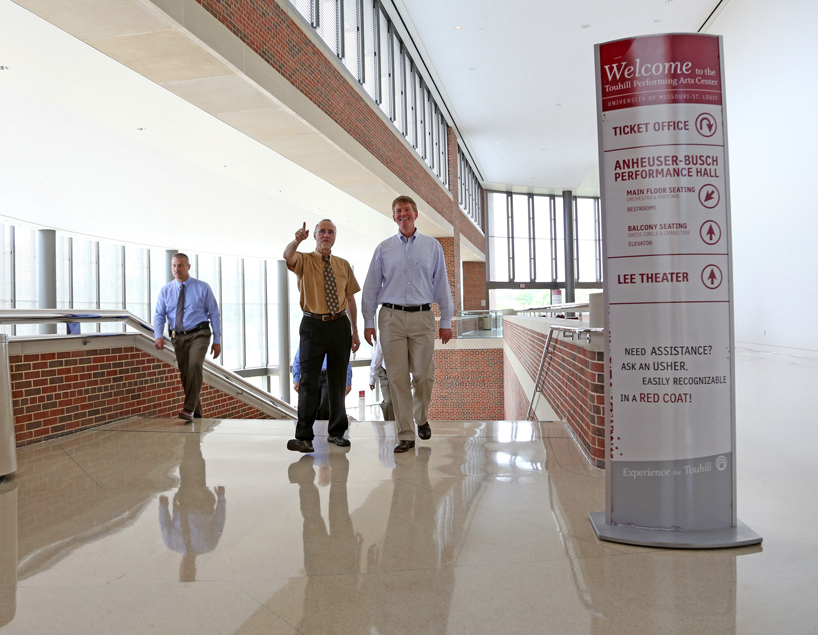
x,y
404,446
299,445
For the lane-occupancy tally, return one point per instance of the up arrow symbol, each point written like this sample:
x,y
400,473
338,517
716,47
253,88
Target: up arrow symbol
x,y
710,232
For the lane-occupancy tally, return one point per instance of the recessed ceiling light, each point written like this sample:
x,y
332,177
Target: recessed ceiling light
x,y
559,104
497,142
472,68
657,20
457,27
482,100
585,26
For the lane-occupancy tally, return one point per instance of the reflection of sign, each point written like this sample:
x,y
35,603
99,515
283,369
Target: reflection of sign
x,y
709,196
710,232
706,124
711,277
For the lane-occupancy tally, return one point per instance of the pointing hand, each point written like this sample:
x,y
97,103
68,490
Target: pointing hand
x,y
302,234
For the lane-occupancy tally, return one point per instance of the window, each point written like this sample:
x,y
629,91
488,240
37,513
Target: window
x,y
469,191
111,282
254,309
361,35
232,313
526,239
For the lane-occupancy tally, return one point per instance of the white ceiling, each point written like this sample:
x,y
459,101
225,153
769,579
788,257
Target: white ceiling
x,y
143,133
92,147
519,78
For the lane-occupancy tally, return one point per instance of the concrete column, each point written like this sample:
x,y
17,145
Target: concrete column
x,y
568,223
47,264
284,330
169,253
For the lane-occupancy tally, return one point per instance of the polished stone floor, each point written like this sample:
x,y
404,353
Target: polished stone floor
x,y
150,526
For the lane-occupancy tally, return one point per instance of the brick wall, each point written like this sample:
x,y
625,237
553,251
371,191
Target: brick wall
x,y
474,286
57,393
574,385
268,30
468,385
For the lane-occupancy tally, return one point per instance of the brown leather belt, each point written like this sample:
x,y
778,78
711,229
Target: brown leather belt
x,y
325,317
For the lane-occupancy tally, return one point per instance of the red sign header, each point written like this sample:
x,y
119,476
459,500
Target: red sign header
x,y
660,69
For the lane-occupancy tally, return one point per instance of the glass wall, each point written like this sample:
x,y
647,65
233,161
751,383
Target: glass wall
x,y
526,244
94,275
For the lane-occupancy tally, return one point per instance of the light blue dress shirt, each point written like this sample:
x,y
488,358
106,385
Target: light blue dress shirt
x,y
200,306
297,368
408,272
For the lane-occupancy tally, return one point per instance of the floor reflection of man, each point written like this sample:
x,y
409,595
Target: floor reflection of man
x,y
8,549
419,549
197,521
332,598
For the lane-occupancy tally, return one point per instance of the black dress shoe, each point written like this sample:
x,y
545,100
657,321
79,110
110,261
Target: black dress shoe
x,y
298,445
425,431
341,442
404,446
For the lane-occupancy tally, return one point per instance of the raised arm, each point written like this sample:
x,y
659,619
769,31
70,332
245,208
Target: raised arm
x,y
289,251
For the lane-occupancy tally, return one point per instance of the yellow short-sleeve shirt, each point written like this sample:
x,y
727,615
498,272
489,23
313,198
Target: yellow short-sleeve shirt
x,y
309,268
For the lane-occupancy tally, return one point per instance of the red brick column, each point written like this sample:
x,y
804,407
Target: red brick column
x,y
474,286
468,385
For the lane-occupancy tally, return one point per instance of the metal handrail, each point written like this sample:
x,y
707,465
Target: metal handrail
x,y
54,316
573,307
575,331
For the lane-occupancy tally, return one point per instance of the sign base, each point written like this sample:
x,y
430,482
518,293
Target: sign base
x,y
739,536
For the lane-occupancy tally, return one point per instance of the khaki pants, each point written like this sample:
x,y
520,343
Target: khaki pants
x,y
408,342
191,349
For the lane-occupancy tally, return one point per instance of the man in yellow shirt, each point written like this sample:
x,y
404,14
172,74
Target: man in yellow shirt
x,y
329,327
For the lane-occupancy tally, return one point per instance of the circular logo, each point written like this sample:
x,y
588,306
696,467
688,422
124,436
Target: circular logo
x,y
710,232
711,277
709,195
721,464
706,124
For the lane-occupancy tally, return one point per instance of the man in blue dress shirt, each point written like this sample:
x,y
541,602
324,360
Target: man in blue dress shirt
x,y
323,390
190,309
407,274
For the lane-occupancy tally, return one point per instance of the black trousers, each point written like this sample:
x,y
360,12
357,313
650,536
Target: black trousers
x,y
323,401
333,339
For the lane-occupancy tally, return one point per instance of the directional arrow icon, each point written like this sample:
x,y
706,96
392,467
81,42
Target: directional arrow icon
x,y
712,277
709,195
706,124
710,232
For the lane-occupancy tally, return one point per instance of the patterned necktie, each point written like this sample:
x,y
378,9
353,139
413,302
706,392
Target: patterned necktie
x,y
330,288
180,310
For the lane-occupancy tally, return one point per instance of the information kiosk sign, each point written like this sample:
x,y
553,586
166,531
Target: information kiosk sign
x,y
670,451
